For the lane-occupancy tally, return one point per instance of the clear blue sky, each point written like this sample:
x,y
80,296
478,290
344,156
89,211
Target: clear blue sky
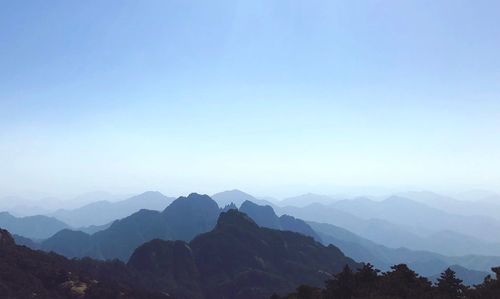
x,y
266,96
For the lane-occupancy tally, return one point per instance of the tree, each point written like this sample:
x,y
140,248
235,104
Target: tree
x,y
450,286
402,282
366,280
342,286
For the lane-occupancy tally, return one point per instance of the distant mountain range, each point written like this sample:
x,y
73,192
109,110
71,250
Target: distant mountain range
x,y
485,204
474,268
21,207
374,221
183,219
33,227
363,250
104,212
420,217
344,223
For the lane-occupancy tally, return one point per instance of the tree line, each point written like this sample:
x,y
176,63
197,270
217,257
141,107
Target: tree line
x,y
399,283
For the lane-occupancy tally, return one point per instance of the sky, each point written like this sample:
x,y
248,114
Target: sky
x,y
272,97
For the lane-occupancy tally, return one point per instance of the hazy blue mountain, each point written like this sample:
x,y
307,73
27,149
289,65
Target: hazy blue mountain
x,y
266,217
420,217
237,259
103,212
446,242
262,215
478,195
183,219
377,230
480,206
306,199
237,197
22,207
33,227
92,229
423,262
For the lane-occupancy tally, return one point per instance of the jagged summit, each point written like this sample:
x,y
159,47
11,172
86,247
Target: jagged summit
x,y
228,207
234,218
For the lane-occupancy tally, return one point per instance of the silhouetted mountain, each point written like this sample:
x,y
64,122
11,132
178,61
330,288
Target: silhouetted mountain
x,y
264,216
237,259
189,216
103,212
183,219
238,198
92,229
25,273
33,227
69,243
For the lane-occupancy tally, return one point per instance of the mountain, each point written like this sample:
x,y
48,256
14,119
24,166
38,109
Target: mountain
x,y
306,199
25,273
237,197
481,206
446,242
103,212
183,219
21,207
423,262
377,230
237,259
20,240
264,216
92,229
32,227
420,217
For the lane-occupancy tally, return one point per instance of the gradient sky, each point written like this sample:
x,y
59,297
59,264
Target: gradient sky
x,y
266,96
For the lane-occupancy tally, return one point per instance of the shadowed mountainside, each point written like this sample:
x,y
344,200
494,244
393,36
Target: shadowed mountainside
x,y
237,259
183,219
25,273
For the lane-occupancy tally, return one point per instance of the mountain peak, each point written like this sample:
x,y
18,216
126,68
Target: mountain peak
x,y
230,206
235,218
194,200
151,193
232,196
